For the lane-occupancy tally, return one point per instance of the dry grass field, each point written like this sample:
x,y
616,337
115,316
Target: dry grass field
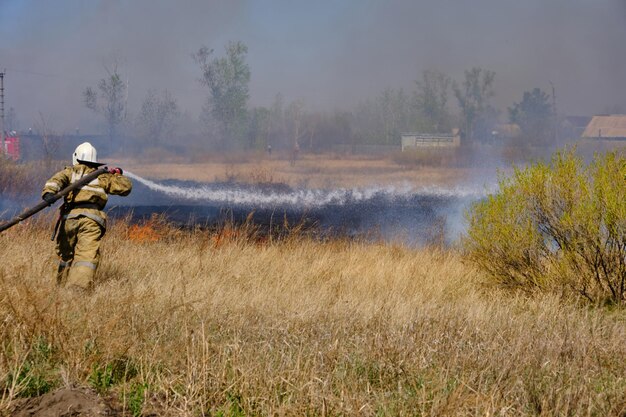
x,y
198,323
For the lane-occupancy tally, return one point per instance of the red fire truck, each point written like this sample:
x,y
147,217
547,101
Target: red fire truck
x,y
11,146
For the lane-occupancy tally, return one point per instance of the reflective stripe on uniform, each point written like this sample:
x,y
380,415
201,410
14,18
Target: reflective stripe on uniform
x,y
93,186
93,189
85,263
53,185
78,175
91,216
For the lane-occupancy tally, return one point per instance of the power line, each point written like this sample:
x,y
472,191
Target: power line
x,y
42,74
85,80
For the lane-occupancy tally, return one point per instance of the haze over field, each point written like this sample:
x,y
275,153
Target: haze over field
x,y
331,54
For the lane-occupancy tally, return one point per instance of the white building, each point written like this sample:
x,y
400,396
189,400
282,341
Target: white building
x,y
430,140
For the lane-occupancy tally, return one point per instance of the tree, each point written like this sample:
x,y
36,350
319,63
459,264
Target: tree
x,y
301,125
367,128
50,141
111,103
380,121
473,97
396,114
312,122
159,116
294,115
431,100
534,115
277,128
259,130
227,79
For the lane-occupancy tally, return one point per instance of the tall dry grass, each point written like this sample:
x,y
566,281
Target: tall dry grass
x,y
21,179
189,324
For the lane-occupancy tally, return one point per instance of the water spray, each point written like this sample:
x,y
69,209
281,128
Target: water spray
x,y
305,198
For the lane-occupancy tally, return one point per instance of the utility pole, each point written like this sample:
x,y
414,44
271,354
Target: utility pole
x,y
126,99
4,149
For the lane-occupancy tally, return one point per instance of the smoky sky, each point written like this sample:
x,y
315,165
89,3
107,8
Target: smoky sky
x,y
331,54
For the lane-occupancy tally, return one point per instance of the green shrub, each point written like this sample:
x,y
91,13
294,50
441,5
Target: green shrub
x,y
104,376
36,375
557,226
233,406
137,398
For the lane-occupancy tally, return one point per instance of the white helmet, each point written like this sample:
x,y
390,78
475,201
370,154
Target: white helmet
x,y
85,152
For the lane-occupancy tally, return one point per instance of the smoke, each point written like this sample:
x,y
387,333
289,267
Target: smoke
x,y
332,54
402,214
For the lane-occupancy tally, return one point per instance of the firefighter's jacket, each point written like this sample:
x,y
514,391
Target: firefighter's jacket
x,y
92,197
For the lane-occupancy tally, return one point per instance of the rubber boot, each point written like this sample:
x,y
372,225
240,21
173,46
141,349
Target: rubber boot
x,y
81,275
62,272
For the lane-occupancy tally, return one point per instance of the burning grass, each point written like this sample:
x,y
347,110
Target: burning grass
x,y
197,323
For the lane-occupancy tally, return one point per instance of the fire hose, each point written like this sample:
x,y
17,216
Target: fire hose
x,y
50,201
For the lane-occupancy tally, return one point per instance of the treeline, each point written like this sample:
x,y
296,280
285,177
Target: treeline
x,y
435,104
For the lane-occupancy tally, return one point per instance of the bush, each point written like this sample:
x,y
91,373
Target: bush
x,y
23,179
557,226
12,178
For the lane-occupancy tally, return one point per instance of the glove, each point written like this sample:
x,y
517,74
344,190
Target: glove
x,y
48,198
116,170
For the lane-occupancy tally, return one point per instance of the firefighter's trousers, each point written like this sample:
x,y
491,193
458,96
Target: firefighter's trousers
x,y
78,246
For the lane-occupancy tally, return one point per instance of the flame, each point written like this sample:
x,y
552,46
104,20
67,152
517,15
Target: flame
x,y
225,235
144,233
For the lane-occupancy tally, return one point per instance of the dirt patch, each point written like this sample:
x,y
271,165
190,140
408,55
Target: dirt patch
x,y
64,403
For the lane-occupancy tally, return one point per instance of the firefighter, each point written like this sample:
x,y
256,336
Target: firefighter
x,y
82,222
